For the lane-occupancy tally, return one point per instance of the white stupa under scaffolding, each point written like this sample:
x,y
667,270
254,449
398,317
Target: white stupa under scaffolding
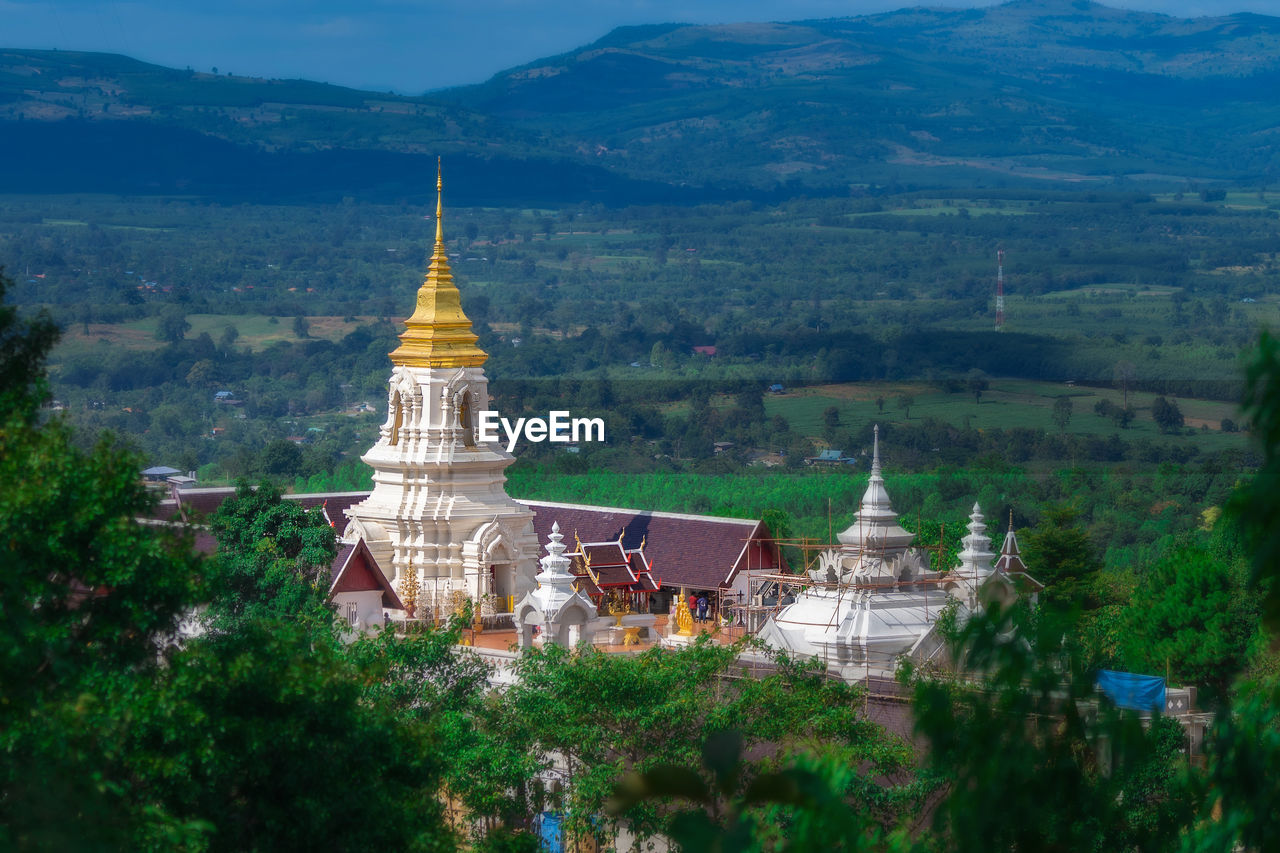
x,y
875,598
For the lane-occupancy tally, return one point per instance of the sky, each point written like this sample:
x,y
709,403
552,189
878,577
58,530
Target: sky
x,y
408,46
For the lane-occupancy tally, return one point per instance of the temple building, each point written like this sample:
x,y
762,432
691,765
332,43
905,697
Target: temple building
x,y
440,527
609,573
438,508
875,598
870,599
438,530
556,610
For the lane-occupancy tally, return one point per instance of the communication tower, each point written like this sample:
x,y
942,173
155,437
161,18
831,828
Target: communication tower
x,y
1000,290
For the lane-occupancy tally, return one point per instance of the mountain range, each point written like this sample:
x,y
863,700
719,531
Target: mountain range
x,y
1033,91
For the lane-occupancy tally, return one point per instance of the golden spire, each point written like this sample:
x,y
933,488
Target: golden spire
x,y
439,333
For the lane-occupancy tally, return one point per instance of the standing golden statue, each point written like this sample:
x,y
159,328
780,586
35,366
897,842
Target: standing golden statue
x,y
684,619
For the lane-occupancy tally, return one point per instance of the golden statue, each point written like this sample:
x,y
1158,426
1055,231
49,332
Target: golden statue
x,y
619,605
684,619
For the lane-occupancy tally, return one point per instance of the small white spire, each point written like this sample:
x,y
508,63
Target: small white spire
x,y
975,555
555,566
875,452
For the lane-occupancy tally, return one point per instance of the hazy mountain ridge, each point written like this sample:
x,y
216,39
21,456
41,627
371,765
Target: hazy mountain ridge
x,y
1031,90
72,121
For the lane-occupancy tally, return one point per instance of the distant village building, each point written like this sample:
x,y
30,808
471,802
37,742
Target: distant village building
x,y
159,473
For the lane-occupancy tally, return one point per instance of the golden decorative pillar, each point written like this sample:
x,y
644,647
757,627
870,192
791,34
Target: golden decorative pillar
x,y
409,592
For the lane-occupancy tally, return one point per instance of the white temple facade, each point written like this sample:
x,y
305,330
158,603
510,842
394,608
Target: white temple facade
x,y
439,509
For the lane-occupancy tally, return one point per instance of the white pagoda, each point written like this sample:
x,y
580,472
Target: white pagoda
x,y
560,612
976,565
439,509
869,600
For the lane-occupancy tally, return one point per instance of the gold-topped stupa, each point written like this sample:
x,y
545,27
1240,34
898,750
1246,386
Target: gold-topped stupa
x,y
439,333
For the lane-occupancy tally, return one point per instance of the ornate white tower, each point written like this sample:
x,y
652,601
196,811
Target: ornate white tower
x,y
875,532
438,507
975,560
556,606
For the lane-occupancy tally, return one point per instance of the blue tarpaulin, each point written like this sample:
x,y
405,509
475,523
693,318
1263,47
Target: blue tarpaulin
x,y
1137,692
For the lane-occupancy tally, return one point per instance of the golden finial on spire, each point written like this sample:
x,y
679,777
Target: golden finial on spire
x,y
439,205
439,333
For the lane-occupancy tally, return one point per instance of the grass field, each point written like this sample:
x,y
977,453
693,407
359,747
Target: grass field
x,y
1007,404
256,332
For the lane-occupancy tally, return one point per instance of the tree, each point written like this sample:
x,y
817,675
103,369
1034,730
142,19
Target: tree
x,y
301,327
273,558
978,383
737,805
1062,413
830,417
280,458
256,736
90,598
1059,554
1191,616
1024,736
172,325
1244,752
830,423
905,402
606,715
880,404
203,373
1166,414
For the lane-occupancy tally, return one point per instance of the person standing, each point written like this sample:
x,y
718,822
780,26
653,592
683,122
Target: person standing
x,y
693,605
702,608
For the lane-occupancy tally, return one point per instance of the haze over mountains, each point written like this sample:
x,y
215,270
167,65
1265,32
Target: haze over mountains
x,y
1039,91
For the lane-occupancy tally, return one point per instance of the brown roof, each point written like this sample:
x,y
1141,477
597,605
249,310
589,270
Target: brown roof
x,y
1010,559
198,503
606,554
613,575
696,551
